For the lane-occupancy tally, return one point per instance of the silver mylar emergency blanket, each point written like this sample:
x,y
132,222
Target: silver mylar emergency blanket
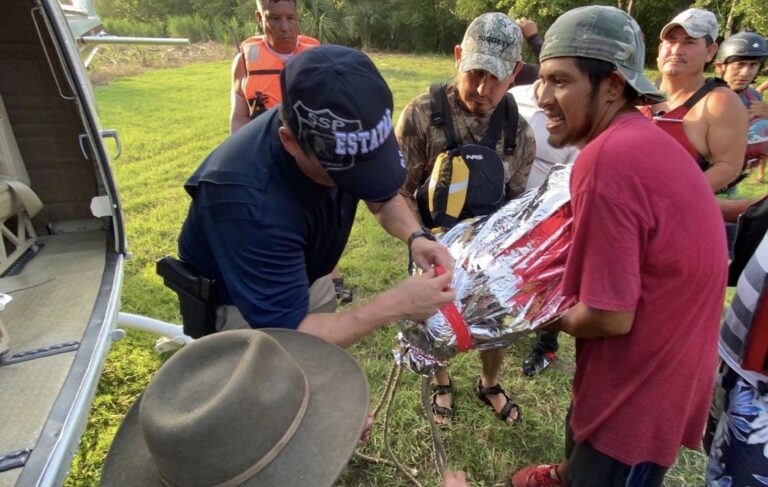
x,y
507,277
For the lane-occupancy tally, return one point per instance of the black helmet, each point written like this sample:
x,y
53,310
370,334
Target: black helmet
x,y
743,44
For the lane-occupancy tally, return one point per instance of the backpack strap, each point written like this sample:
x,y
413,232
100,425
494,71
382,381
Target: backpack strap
x,y
440,114
749,95
506,110
513,116
436,115
709,85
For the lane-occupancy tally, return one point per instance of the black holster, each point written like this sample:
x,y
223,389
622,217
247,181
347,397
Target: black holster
x,y
196,296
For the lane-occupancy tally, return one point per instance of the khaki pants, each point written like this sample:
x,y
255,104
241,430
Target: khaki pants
x,y
322,299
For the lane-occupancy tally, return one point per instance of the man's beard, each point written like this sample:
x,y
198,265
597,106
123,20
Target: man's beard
x,y
570,139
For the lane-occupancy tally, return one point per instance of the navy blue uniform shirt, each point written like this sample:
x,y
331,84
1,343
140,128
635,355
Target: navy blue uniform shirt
x,y
261,228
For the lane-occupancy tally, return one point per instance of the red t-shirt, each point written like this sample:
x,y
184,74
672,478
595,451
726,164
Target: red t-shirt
x,y
649,238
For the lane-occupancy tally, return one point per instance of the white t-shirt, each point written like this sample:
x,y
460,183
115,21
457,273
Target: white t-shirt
x,y
283,57
546,155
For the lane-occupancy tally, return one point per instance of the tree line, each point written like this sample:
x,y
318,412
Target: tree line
x,y
401,25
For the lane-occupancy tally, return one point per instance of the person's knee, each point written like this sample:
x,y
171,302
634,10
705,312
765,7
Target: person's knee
x,y
322,296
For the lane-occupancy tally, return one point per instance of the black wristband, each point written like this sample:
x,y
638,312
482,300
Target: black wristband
x,y
421,232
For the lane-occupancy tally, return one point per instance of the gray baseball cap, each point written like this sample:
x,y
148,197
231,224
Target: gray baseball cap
x,y
492,43
605,33
696,22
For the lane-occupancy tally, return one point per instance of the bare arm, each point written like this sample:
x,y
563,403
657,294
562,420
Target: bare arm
x,y
396,218
726,137
239,113
581,321
762,87
531,34
731,209
416,298
758,108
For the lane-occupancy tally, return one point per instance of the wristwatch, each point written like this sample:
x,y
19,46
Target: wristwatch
x,y
421,232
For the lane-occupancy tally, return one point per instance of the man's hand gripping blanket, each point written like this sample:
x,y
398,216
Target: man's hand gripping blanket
x,y
508,277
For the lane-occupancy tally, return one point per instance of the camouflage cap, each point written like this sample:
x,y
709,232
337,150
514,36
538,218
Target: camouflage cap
x,y
696,22
605,33
492,43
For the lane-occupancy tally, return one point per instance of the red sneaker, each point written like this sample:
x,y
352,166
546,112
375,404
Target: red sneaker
x,y
536,476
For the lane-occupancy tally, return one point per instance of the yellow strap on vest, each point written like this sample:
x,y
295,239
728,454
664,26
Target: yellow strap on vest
x,y
459,181
457,193
434,179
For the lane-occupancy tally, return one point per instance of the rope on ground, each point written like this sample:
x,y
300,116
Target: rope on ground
x,y
387,398
387,417
441,458
388,389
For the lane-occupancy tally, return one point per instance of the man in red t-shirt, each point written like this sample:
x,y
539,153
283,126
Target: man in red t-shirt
x,y
647,263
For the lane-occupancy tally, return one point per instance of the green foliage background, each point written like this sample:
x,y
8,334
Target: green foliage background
x,y
398,25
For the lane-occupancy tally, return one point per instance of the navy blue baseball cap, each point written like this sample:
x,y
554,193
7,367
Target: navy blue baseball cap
x,y
338,105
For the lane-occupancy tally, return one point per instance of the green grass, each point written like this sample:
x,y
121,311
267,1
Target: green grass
x,y
169,120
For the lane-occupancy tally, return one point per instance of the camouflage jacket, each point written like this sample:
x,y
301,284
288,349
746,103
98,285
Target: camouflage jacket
x,y
421,143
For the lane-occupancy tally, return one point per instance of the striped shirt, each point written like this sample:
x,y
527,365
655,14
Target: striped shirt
x,y
753,283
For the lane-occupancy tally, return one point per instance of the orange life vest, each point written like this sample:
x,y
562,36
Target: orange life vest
x,y
261,85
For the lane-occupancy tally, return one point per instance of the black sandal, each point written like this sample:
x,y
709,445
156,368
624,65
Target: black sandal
x,y
343,293
484,392
441,390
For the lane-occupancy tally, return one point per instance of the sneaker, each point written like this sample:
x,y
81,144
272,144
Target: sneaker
x,y
537,361
536,476
343,293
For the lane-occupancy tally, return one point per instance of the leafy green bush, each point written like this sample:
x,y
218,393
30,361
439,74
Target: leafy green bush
x,y
197,28
194,27
135,28
230,30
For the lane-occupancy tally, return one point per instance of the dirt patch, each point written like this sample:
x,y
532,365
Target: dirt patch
x,y
118,61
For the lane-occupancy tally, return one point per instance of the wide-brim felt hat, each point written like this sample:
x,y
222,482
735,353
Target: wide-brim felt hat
x,y
262,393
